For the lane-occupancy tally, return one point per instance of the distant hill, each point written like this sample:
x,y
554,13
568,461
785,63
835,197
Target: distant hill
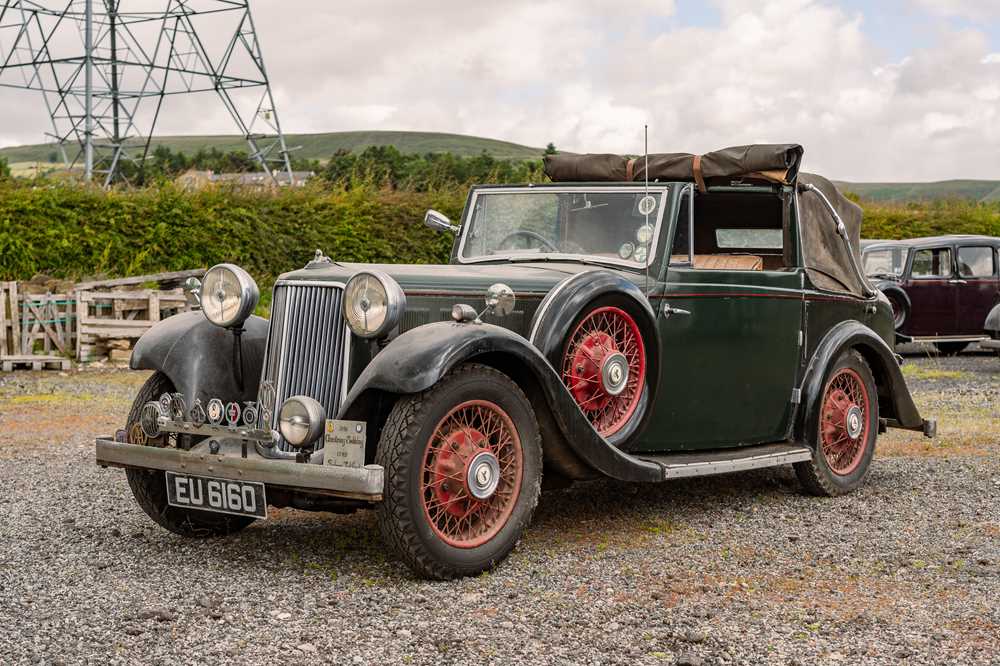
x,y
323,146
971,190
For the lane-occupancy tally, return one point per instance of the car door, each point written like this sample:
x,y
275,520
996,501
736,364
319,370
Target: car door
x,y
730,332
977,286
933,291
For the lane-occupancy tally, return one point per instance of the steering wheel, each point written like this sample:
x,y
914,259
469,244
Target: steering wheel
x,y
529,234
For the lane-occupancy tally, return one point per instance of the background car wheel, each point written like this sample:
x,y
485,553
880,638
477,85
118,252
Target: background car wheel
x,y
149,487
463,464
604,368
844,441
951,348
900,310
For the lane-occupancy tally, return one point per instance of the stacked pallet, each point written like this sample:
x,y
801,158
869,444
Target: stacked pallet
x,y
36,330
110,321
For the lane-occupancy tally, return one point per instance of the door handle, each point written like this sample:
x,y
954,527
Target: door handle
x,y
667,311
957,282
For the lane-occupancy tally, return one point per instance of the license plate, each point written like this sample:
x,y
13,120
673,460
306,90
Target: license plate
x,y
240,498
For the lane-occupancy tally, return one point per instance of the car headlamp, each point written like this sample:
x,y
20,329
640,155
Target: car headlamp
x,y
373,304
228,295
301,420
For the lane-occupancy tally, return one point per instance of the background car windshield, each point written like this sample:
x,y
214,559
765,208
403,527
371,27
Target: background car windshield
x,y
890,261
607,225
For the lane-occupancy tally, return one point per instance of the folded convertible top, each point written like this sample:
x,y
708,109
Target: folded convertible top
x,y
778,163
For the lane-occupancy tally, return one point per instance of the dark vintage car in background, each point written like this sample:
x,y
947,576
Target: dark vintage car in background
x,y
942,289
713,320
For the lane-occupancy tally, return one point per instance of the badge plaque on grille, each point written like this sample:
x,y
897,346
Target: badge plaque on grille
x,y
344,443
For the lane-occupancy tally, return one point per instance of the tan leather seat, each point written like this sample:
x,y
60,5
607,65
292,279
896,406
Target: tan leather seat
x,y
726,262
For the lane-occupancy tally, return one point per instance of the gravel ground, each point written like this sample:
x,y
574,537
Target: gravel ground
x,y
738,569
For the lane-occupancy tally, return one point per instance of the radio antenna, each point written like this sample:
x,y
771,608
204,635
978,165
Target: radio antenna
x,y
645,173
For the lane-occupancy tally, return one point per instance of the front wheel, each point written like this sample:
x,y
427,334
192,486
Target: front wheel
x,y
463,465
844,441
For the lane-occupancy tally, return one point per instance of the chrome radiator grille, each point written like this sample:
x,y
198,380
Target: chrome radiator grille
x,y
307,347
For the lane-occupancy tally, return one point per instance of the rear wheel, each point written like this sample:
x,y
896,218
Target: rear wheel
x,y
844,441
900,310
149,486
951,348
463,466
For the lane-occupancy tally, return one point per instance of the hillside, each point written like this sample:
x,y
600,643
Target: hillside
x,y
969,190
322,146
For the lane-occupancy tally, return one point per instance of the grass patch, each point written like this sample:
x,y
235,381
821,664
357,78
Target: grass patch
x,y
913,371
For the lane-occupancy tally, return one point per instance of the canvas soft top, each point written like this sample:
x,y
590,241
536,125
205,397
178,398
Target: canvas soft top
x,y
829,223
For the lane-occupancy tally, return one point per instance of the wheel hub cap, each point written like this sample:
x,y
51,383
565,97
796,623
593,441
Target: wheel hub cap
x,y
854,422
483,475
614,373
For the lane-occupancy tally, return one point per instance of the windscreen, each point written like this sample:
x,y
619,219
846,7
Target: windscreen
x,y
609,225
888,261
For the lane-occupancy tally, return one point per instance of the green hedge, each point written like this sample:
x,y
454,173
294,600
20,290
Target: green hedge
x,y
74,232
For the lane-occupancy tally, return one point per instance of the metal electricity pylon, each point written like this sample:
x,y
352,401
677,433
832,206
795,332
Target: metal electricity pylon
x,y
106,67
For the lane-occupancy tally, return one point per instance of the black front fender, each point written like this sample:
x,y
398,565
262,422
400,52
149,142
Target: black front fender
x,y
894,400
419,358
198,357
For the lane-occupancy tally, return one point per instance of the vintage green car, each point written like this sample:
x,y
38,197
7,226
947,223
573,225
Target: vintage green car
x,y
644,320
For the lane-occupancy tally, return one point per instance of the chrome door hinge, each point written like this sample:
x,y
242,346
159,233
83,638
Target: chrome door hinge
x,y
796,396
802,337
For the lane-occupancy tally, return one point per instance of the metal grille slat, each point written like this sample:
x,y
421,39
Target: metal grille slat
x,y
306,346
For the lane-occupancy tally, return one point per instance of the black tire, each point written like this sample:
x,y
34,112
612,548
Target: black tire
x,y
403,516
149,487
900,309
817,475
951,348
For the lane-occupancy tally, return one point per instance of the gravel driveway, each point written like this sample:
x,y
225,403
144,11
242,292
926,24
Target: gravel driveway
x,y
738,569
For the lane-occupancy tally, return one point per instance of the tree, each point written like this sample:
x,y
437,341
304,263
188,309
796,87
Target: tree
x,y
4,169
53,157
551,149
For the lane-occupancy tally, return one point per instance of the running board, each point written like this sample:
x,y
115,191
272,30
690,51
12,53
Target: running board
x,y
705,463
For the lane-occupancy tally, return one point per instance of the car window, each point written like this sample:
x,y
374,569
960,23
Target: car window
x,y
889,261
932,263
771,239
976,262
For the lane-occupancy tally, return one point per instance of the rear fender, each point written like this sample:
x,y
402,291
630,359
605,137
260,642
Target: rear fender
x,y
198,357
419,358
894,400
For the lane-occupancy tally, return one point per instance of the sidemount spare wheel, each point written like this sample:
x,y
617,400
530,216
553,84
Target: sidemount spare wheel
x,y
603,365
463,466
900,307
149,486
844,441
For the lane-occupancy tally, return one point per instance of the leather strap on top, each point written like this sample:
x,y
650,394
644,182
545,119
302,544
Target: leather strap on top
x,y
698,178
629,169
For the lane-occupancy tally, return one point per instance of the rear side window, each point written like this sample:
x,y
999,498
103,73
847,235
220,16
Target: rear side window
x,y
976,262
932,263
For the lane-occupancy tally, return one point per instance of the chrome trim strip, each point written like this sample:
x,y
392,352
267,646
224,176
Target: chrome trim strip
x,y
682,470
548,302
344,371
949,338
360,483
662,190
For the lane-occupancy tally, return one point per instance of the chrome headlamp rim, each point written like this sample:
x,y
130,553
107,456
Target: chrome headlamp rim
x,y
248,297
395,304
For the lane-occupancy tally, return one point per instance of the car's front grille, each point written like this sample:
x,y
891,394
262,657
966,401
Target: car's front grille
x,y
306,347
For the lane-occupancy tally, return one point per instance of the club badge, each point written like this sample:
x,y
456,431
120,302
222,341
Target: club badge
x,y
178,409
165,401
266,399
232,414
198,415
216,411
249,413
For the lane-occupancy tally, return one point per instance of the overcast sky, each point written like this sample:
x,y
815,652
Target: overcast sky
x,y
874,90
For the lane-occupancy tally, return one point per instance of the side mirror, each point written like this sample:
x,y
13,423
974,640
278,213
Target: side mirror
x,y
439,221
192,291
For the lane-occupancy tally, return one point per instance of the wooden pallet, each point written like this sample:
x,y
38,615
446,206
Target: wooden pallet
x,y
10,319
9,363
104,316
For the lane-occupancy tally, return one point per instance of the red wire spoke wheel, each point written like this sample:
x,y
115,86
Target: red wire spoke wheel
x,y
604,368
844,421
471,474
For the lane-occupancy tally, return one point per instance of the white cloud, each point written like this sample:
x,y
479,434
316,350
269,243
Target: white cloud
x,y
971,9
587,75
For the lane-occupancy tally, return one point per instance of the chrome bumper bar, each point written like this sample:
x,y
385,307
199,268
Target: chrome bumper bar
x,y
364,483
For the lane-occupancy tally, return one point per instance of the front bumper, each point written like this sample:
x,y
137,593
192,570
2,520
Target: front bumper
x,y
365,483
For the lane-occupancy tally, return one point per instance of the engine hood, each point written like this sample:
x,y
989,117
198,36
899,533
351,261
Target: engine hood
x,y
445,279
